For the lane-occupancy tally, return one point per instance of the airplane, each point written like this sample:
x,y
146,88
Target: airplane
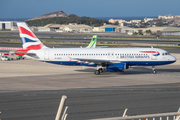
x,y
104,59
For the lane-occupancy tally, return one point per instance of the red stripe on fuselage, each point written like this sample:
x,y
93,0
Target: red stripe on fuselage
x,y
149,51
25,31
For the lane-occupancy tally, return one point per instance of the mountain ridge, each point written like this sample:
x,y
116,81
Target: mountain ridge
x,y
52,15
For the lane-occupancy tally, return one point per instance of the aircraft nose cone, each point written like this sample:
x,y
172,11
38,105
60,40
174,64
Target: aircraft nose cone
x,y
173,58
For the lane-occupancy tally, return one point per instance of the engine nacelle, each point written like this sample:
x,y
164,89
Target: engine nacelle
x,y
115,67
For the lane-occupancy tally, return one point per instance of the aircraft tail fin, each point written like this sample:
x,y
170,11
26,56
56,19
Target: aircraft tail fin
x,y
28,38
92,44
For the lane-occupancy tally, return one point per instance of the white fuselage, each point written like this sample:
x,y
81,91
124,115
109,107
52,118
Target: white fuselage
x,y
130,56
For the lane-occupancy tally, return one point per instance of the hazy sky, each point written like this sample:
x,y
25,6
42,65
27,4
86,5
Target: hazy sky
x,y
90,8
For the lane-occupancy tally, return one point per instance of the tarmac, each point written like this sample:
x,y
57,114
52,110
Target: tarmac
x,y
16,73
32,89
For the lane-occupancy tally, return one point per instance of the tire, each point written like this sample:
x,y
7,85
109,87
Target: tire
x,y
97,72
154,71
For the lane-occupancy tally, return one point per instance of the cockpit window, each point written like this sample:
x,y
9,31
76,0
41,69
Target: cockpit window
x,y
165,53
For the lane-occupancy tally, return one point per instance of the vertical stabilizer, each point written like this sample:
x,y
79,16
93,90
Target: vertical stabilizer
x,y
92,44
28,38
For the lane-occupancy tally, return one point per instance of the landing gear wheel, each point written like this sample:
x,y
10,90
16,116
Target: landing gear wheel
x,y
97,72
154,71
100,70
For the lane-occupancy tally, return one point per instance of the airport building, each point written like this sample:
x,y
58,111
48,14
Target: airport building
x,y
43,29
107,28
127,30
171,31
77,28
130,31
7,25
53,26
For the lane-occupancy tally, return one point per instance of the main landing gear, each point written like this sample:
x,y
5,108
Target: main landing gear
x,y
153,70
99,70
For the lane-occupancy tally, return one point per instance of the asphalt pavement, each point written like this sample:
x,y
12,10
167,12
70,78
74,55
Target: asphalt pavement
x,y
93,103
31,90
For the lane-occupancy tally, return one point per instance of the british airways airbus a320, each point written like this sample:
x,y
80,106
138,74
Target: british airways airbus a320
x,y
109,59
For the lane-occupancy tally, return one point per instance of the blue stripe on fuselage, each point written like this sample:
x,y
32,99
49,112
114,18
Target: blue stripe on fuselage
x,y
131,63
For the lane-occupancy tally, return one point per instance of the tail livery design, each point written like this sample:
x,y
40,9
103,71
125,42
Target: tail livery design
x,y
28,38
92,44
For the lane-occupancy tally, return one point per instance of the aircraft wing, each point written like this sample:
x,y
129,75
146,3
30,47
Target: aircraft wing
x,y
97,61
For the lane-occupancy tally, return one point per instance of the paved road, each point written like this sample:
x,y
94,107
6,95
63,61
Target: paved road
x,y
91,103
86,38
120,41
29,93
82,35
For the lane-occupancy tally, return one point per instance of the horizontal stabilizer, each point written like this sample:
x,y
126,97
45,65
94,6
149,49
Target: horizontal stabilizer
x,y
30,54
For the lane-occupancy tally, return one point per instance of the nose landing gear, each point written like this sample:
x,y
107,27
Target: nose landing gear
x,y
153,70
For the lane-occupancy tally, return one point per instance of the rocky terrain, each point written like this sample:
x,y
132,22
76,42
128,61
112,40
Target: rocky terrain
x,y
52,15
